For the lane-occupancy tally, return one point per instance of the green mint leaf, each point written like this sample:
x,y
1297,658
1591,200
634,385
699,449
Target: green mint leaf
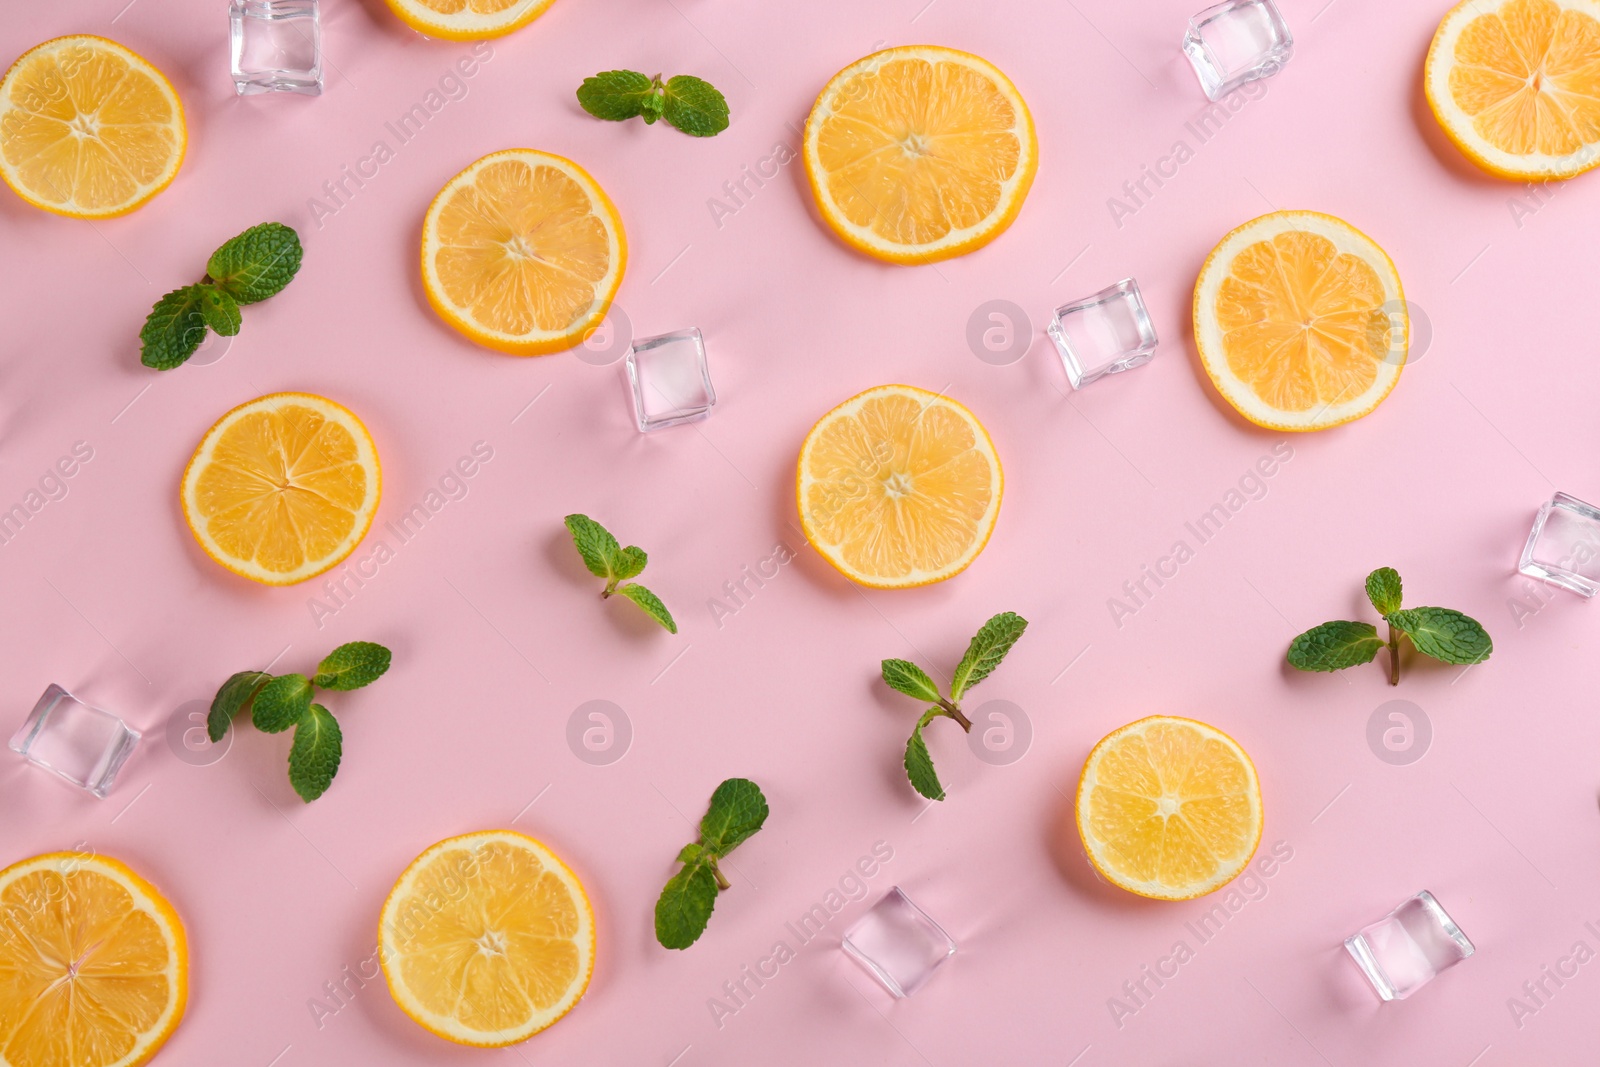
x,y
174,329
651,107
352,665
281,703
651,604
595,544
737,810
695,106
231,699
630,561
257,263
1444,633
919,763
906,677
988,647
690,853
684,907
314,755
1383,589
1333,646
615,95
220,311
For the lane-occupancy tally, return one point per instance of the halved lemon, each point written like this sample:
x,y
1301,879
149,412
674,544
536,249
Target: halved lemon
x,y
1300,321
920,153
88,128
487,939
523,252
94,964
468,20
1516,85
899,487
1169,808
283,487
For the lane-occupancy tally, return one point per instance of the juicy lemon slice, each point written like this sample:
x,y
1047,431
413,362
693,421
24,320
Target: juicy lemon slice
x,y
523,252
468,20
88,128
1169,808
1516,85
487,939
94,964
1300,321
920,153
282,488
899,487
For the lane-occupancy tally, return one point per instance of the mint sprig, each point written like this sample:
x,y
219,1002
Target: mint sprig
x,y
689,104
984,653
284,702
248,268
737,810
605,557
1441,633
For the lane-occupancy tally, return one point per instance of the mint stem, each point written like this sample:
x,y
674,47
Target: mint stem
x,y
1394,656
716,872
955,713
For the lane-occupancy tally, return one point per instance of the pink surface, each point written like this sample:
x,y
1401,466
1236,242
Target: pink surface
x,y
498,636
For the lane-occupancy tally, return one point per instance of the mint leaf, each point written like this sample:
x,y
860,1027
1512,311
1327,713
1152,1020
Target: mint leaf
x,y
257,263
694,106
174,328
615,95
906,677
352,665
650,108
651,604
1333,646
919,763
684,907
988,647
220,311
1445,634
1383,589
281,703
595,544
230,699
737,810
314,756
630,561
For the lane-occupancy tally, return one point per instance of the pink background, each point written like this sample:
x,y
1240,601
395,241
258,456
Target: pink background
x,y
498,637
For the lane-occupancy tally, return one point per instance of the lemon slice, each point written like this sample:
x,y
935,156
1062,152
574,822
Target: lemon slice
x,y
468,20
282,488
487,939
920,153
1300,321
88,128
94,964
523,252
1169,808
899,487
1516,85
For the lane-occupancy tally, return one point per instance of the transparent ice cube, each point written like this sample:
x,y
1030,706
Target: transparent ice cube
x,y
1404,950
1106,333
671,381
899,944
1564,545
77,741
276,46
1235,42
